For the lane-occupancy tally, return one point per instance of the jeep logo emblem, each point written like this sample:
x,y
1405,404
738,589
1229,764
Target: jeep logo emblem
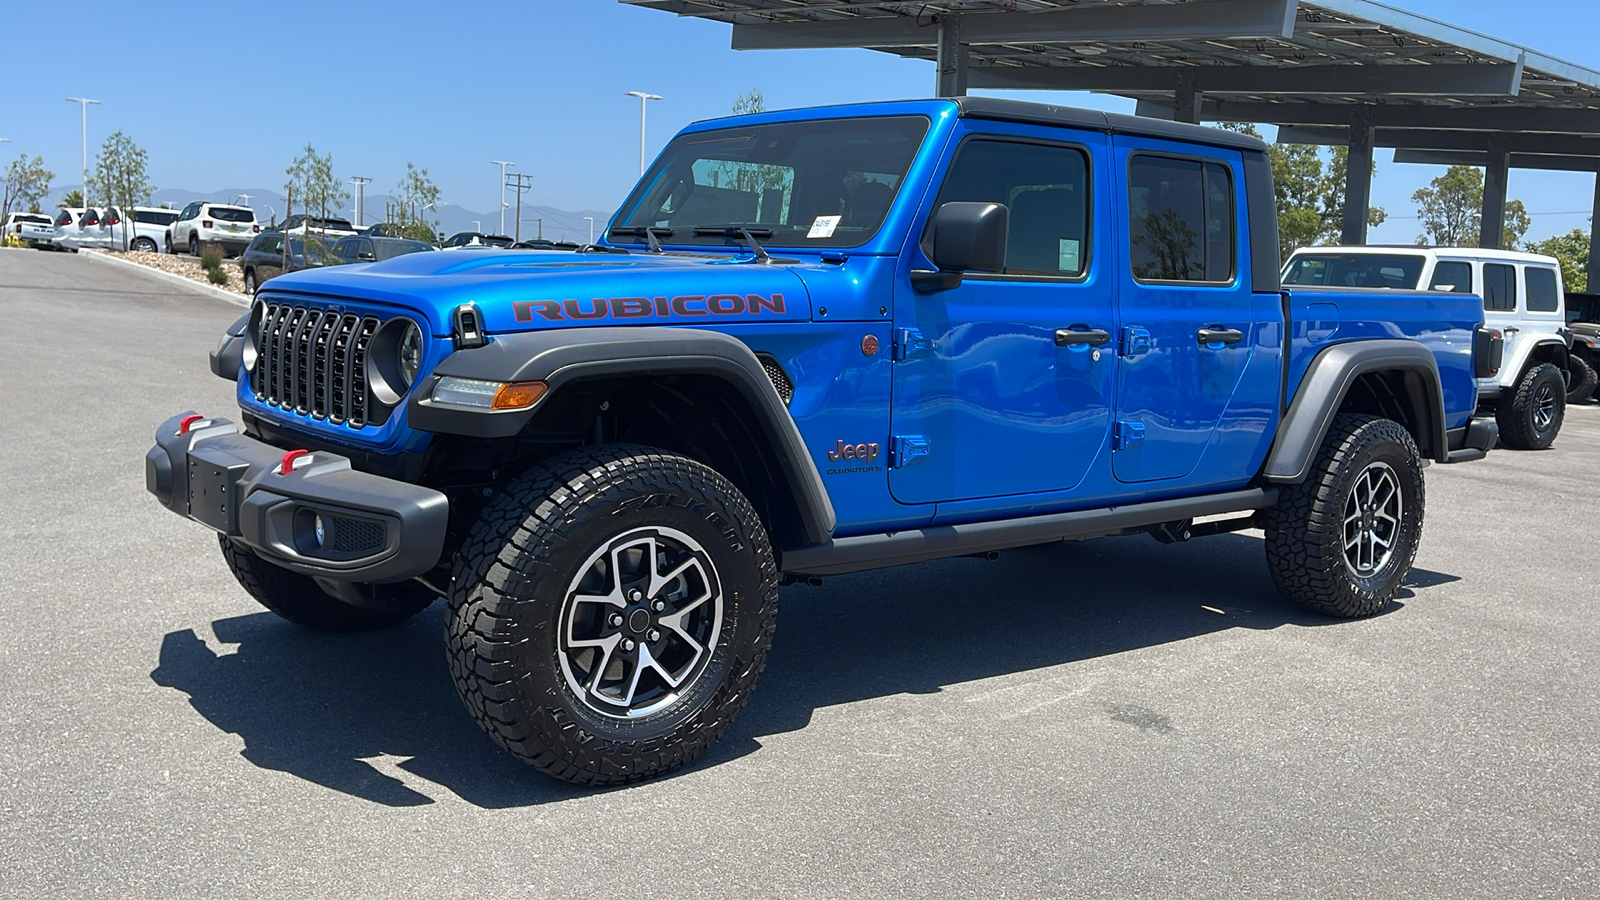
x,y
863,452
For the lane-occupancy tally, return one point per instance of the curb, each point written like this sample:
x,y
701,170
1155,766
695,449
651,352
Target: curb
x,y
215,293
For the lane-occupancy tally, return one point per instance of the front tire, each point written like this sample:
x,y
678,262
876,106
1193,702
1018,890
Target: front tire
x,y
1530,418
298,599
1342,541
1581,379
250,282
611,612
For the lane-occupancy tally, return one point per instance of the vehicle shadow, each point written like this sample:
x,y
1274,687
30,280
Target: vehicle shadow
x,y
318,706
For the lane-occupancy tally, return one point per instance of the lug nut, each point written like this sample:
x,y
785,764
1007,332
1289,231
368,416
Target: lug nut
x,y
658,606
654,635
616,620
634,595
629,645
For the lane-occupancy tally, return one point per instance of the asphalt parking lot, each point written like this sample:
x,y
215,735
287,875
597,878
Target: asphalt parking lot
x,y
1114,718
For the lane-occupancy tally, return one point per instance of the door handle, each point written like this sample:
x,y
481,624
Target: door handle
x,y
1511,329
1229,336
1094,337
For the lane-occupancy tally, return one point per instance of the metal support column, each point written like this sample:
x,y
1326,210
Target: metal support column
x,y
1187,105
1594,240
1492,225
1358,178
951,61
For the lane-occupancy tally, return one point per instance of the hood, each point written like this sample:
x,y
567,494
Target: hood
x,y
522,290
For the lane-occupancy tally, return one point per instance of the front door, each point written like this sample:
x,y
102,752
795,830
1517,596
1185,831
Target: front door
x,y
1187,312
1003,384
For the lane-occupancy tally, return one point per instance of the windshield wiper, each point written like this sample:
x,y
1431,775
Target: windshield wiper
x,y
748,235
649,234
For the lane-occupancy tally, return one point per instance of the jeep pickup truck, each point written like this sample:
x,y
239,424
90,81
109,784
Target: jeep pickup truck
x,y
814,342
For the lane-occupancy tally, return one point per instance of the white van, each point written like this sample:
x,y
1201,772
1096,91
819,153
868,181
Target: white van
x,y
1523,298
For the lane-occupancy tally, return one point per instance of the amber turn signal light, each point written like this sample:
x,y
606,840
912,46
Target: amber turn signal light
x,y
518,395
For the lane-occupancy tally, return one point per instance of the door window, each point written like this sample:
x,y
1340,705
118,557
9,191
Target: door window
x,y
1181,220
1046,189
1499,287
1543,293
1452,278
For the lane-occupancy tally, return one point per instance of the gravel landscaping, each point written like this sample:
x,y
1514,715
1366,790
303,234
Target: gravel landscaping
x,y
186,266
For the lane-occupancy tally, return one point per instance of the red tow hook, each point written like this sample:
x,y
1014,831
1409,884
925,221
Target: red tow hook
x,y
188,422
287,464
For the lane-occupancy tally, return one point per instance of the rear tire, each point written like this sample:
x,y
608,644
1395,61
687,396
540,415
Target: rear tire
x,y
194,245
1581,379
297,597
569,647
1341,542
143,245
250,282
1530,418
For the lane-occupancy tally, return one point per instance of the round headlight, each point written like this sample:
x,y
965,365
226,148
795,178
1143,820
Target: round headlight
x,y
410,353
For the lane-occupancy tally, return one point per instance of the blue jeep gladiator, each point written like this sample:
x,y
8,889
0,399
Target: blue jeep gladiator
x,y
814,342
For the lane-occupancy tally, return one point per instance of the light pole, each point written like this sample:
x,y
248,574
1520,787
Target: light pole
x,y
477,226
502,164
590,220
247,198
360,181
642,98
83,107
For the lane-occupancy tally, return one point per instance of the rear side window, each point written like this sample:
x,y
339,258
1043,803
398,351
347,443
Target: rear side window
x,y
232,215
1499,287
1046,189
1181,221
155,216
1452,278
1543,293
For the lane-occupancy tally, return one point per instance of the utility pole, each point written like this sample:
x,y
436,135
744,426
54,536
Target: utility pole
x,y
642,98
361,182
590,220
502,164
83,107
520,182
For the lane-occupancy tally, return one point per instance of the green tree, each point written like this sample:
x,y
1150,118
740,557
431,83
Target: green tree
x,y
26,185
73,199
121,178
1449,209
312,183
415,195
750,103
1572,250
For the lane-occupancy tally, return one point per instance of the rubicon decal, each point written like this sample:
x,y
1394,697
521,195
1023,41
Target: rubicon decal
x,y
685,306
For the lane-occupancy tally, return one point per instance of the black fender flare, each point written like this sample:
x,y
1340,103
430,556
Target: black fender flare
x,y
559,357
1326,384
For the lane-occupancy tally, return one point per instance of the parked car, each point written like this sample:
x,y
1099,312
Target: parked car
x,y
264,258
34,229
476,239
328,228
86,233
982,325
232,227
382,229
148,231
1522,298
375,249
1583,320
65,228
542,244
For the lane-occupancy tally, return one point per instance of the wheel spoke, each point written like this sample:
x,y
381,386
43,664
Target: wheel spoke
x,y
608,649
659,581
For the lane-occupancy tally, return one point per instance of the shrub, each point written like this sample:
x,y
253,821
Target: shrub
x,y
210,257
217,275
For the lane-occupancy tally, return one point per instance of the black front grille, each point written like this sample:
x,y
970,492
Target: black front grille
x,y
313,362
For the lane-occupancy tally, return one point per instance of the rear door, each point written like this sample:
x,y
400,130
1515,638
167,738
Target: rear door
x,y
1187,314
1002,386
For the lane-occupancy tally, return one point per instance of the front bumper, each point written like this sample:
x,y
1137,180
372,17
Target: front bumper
x,y
373,529
1473,441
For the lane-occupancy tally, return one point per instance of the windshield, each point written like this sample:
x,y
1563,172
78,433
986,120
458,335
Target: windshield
x,y
232,214
1402,271
155,216
817,183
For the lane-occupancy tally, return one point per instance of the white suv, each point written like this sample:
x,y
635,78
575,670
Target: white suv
x,y
1523,298
233,227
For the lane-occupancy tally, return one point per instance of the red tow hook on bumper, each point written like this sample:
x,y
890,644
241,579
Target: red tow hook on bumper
x,y
187,423
288,463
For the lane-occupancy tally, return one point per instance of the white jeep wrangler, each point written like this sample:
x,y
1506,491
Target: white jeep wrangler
x,y
1523,298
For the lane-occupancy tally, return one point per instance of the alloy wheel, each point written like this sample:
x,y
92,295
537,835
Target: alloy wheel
x,y
1372,516
1544,407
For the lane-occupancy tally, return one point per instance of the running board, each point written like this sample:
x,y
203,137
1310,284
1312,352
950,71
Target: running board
x,y
874,551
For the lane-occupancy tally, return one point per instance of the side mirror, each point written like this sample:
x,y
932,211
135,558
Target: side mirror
x,y
366,257
967,237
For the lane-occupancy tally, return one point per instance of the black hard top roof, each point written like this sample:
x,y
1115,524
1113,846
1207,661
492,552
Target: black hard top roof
x,y
1113,123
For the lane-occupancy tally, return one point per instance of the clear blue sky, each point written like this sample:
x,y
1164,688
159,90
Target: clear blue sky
x,y
451,86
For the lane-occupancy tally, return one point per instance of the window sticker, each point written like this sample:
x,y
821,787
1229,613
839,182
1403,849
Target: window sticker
x,y
823,226
1069,250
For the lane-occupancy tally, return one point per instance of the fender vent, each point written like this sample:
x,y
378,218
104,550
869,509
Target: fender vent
x,y
778,377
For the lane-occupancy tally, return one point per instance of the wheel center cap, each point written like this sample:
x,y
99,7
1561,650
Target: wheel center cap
x,y
639,621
